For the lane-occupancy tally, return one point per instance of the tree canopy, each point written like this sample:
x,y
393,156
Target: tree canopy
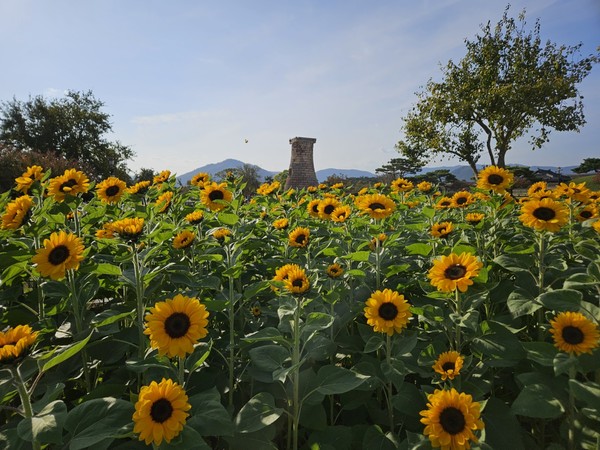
x,y
74,128
588,165
509,84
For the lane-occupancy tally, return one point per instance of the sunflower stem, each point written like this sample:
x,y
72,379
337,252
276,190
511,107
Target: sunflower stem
x,y
571,436
458,337
139,297
25,399
79,326
541,269
296,375
181,370
377,264
231,317
389,386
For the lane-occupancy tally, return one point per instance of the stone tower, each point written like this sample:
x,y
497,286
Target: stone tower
x,y
302,169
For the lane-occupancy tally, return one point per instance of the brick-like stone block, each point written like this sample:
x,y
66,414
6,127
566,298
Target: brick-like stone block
x,y
302,169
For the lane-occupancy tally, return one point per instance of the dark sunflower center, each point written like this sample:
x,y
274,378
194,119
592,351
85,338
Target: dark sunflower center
x,y
297,282
300,238
216,195
328,209
442,230
585,214
445,203
161,410
67,184
375,206
452,420
455,272
58,255
495,179
572,335
461,200
544,213
448,365
315,208
112,191
177,325
388,311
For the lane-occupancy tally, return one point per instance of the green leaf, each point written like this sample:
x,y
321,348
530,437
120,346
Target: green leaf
x,y
46,426
269,334
419,249
538,401
563,362
337,380
189,438
107,269
228,218
269,357
375,342
502,346
362,255
209,417
68,352
520,303
541,352
502,429
561,299
409,400
258,413
98,420
316,321
336,437
588,392
109,316
376,439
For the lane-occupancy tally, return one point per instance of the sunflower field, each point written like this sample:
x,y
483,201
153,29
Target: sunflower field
x,y
398,317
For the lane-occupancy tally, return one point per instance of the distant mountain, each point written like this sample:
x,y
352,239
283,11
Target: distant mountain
x,y
464,172
323,174
215,168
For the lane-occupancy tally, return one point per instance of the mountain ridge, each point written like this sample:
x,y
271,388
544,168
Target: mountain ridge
x,y
461,171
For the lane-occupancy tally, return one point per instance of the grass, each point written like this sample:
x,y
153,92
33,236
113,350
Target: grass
x,y
591,181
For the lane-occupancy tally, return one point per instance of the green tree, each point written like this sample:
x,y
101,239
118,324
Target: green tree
x,y
73,128
247,173
399,167
588,165
508,85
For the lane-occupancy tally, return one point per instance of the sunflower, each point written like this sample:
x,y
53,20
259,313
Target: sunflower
x,y
412,204
443,203
282,273
199,179
341,213
215,196
363,191
546,214
461,199
312,189
129,228
256,311
377,206
194,218
377,241
160,412
61,252
450,419
281,224
15,342
221,233
424,186
161,177
335,270
448,364
401,185
573,191
71,182
387,311
106,232
586,213
540,186
299,237
327,206
494,178
313,207
184,239
474,218
138,188
296,281
16,212
454,271
30,176
176,324
268,188
111,190
441,230
163,201
574,333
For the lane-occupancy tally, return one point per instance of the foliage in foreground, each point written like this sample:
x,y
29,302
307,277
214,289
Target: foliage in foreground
x,y
398,318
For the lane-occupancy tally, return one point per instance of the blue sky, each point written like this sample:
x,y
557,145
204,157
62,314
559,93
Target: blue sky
x,y
187,82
